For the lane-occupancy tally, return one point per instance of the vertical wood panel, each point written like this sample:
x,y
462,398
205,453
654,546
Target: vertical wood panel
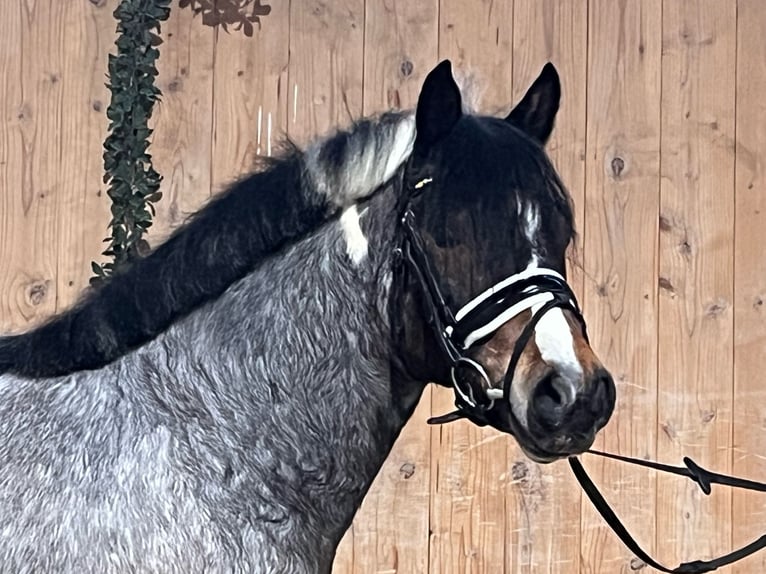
x,y
251,97
390,531
478,38
401,40
544,529
183,120
35,122
620,257
470,472
15,230
83,213
696,274
326,66
749,413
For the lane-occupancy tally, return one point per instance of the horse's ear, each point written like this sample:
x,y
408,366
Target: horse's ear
x,y
439,106
536,112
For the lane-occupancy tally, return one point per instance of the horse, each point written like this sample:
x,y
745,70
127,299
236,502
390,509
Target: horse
x,y
224,404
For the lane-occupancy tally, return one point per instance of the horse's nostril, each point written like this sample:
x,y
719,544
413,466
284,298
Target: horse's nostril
x,y
550,400
547,391
604,392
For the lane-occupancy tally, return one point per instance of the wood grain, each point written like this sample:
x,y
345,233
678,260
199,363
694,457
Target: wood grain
x,y
251,95
183,120
326,66
33,131
620,259
544,531
749,409
16,228
405,37
696,271
88,33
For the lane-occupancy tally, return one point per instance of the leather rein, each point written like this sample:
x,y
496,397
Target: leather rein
x,y
538,290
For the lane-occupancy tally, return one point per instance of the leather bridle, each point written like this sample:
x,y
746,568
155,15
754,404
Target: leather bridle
x,y
537,290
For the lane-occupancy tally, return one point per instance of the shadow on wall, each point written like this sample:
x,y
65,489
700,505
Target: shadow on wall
x,y
239,14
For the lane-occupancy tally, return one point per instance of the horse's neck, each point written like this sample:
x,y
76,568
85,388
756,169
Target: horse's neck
x,y
300,349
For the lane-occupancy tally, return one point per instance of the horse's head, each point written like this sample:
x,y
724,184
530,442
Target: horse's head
x,y
486,225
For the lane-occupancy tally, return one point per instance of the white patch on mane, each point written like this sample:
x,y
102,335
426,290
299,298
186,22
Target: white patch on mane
x,y
370,160
356,243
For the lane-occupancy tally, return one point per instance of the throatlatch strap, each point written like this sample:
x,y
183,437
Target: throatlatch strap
x,y
699,475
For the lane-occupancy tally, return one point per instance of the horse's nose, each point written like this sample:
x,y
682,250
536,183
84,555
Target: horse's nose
x,y
581,406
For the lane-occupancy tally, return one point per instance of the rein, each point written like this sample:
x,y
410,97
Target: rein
x,y
538,290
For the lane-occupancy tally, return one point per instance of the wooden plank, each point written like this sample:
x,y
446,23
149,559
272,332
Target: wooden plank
x,y
15,310
696,272
401,47
469,469
390,531
620,260
326,66
251,97
749,411
478,38
83,213
544,527
183,120
32,151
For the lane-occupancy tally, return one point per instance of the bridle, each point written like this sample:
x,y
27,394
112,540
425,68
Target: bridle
x,y
537,290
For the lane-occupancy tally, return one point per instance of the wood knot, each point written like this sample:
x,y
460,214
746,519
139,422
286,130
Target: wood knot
x,y
757,302
669,430
98,3
407,470
618,166
707,416
637,564
36,292
97,105
715,308
175,85
519,470
24,113
406,68
665,285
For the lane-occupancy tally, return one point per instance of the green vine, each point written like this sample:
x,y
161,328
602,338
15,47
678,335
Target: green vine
x,y
133,184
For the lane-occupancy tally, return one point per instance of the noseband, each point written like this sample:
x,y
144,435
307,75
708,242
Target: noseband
x,y
537,290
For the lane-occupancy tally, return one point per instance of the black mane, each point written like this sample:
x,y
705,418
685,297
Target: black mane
x,y
257,216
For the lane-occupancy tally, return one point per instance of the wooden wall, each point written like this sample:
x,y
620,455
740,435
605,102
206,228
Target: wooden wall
x,y
661,139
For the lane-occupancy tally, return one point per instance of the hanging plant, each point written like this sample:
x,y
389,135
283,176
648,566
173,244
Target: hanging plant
x,y
241,14
133,183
